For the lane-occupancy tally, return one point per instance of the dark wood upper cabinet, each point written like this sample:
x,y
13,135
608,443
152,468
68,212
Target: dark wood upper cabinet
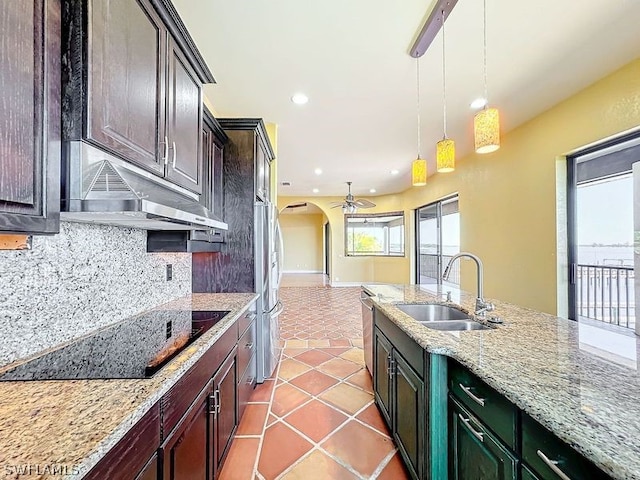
x,y
126,81
29,116
184,126
133,81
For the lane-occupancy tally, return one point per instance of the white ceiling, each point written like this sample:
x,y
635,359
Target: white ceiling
x,y
351,59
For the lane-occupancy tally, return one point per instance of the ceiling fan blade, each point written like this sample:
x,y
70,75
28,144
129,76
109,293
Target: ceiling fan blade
x,y
364,203
336,206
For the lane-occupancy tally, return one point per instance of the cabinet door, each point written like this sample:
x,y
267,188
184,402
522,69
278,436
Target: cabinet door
x,y
29,116
187,452
184,122
225,382
150,470
527,474
381,377
260,170
126,75
474,454
409,415
267,179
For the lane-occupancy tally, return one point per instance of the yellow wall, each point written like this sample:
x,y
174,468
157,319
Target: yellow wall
x,y
357,269
302,237
507,199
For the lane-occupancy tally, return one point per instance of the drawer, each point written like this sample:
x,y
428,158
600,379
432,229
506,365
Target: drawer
x,y
246,385
246,347
551,458
491,408
245,320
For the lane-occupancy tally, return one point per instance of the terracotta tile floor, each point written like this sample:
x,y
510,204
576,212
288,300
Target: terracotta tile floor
x,y
316,418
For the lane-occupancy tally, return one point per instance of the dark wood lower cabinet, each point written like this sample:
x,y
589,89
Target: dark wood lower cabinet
x,y
226,417
150,471
187,451
473,452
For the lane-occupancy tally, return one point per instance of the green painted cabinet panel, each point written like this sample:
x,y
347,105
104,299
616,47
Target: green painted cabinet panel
x,y
474,453
526,474
409,415
493,409
550,457
381,377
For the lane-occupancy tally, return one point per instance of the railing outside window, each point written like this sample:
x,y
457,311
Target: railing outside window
x,y
606,293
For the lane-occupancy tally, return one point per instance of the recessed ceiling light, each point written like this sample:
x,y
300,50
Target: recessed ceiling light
x,y
394,172
299,98
315,190
479,103
372,190
318,171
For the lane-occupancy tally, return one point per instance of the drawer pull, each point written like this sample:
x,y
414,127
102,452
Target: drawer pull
x,y
249,346
467,423
467,390
553,465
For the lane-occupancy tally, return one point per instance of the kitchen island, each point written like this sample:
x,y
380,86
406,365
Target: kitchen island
x,y
579,381
62,429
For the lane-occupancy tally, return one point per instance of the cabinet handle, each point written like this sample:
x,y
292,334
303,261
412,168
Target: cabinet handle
x,y
217,394
467,390
166,150
249,346
249,380
467,423
173,144
212,404
553,465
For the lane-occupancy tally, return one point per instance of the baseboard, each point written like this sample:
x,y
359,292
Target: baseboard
x,y
347,284
302,271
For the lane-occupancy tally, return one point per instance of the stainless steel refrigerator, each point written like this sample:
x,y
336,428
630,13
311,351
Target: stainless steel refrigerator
x,y
268,263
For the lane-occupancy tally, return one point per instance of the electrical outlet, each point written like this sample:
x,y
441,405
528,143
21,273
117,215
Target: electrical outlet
x,y
169,329
169,272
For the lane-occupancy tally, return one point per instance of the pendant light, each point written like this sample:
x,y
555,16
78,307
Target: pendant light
x,y
445,148
486,123
419,165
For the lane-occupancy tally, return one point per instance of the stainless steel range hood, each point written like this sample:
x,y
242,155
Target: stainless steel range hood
x,y
104,189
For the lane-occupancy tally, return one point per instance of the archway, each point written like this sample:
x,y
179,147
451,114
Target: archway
x,y
306,231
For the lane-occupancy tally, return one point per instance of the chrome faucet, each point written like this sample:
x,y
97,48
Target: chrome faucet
x,y
482,307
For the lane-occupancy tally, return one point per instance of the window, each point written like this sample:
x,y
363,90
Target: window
x,y
601,232
374,234
437,240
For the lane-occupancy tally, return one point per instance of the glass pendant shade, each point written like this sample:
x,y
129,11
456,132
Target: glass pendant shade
x,y
446,155
419,172
486,129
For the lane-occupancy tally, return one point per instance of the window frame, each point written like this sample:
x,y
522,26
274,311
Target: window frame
x,y
347,252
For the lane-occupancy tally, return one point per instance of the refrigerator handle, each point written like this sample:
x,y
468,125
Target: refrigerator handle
x,y
276,310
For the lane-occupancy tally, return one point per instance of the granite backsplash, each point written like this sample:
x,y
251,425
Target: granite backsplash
x,y
86,277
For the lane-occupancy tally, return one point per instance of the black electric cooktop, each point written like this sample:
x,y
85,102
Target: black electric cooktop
x,y
134,348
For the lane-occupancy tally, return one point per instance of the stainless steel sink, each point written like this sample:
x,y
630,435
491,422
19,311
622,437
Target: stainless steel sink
x,y
455,325
432,312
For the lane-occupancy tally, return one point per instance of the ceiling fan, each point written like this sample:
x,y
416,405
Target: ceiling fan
x,y
350,204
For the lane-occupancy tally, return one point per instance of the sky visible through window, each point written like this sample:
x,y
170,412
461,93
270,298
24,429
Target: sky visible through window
x,y
605,222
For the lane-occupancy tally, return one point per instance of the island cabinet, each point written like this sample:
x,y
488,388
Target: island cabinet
x,y
30,116
400,377
188,432
489,437
132,82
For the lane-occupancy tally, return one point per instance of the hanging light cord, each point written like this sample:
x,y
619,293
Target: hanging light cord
x,y
486,94
444,83
418,103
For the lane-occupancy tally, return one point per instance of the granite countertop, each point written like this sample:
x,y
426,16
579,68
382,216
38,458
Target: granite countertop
x,y
69,425
580,381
